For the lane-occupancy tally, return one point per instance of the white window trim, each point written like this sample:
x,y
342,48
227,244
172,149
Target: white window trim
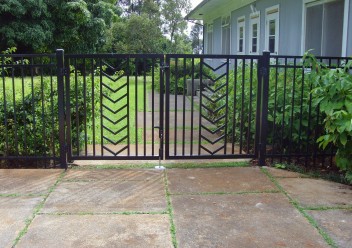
x,y
229,25
344,28
268,12
241,22
210,30
254,18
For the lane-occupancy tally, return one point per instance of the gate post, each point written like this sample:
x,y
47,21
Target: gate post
x,y
264,77
61,106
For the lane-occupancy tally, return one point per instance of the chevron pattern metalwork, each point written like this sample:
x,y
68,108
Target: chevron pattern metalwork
x,y
115,114
210,134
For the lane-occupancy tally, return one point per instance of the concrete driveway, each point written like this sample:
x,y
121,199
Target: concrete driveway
x,y
211,207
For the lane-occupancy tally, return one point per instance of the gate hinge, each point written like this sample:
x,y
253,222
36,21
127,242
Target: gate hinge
x,y
164,66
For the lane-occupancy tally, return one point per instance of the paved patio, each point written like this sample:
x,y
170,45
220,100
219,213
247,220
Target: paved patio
x,y
211,207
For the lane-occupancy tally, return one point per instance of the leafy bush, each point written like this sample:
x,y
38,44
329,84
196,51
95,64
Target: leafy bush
x,y
333,93
29,124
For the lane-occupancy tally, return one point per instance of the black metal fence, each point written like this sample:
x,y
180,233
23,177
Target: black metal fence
x,y
294,121
29,129
57,108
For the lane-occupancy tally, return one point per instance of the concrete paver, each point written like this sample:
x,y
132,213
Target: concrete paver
x,y
128,208
316,192
218,180
13,213
98,231
337,223
247,220
107,196
114,175
27,181
284,173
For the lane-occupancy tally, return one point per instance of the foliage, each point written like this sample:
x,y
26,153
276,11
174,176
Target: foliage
x,y
173,21
137,34
333,94
197,42
42,26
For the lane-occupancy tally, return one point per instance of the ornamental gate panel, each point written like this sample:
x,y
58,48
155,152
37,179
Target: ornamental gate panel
x,y
113,110
212,106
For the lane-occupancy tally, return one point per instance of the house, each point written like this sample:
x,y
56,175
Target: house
x,y
283,27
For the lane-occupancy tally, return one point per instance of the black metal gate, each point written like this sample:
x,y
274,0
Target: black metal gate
x,y
113,110
115,106
213,105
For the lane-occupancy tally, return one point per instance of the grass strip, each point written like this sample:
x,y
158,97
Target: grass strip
x,y
310,219
180,165
21,195
229,193
326,208
106,213
170,212
36,210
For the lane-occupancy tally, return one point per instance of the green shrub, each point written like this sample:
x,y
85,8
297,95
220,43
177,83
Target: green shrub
x,y
333,94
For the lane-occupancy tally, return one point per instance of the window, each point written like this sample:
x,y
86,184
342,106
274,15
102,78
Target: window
x,y
225,35
241,35
272,30
254,32
209,39
324,27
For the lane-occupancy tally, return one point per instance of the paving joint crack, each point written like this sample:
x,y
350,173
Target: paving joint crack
x,y
170,211
37,209
301,209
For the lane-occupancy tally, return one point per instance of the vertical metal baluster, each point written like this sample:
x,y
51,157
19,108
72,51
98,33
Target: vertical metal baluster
x,y
128,109
5,105
153,87
200,106
85,107
24,107
184,107
234,106
242,106
43,104
192,107
136,103
227,104
175,92
292,111
301,112
144,107
250,106
275,135
33,107
51,73
14,107
77,110
93,107
101,107
283,112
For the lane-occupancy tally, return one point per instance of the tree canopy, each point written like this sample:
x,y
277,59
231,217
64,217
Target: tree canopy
x,y
90,26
